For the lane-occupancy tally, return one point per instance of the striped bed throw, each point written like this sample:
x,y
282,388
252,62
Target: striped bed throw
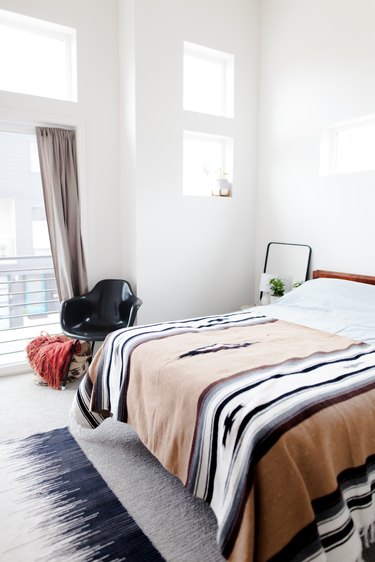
x,y
271,423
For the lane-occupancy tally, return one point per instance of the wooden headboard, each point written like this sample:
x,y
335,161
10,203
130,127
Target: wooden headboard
x,y
318,273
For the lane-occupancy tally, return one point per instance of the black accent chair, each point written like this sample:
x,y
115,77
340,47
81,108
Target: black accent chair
x,y
110,305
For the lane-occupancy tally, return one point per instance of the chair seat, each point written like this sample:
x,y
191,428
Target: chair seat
x,y
95,331
111,305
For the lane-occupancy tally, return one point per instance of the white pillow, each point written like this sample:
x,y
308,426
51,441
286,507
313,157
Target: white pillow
x,y
332,305
332,295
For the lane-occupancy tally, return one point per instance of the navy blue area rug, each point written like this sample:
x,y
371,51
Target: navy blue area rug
x,y
64,508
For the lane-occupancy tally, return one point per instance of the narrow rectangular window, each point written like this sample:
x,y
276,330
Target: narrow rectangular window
x,y
355,150
349,147
208,85
207,164
37,57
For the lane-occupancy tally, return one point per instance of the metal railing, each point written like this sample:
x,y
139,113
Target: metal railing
x,y
29,304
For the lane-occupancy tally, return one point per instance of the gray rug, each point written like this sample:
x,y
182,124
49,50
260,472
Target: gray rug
x,y
182,527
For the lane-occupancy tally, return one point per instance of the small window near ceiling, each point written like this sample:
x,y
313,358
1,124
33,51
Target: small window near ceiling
x,y
207,164
349,147
37,57
208,80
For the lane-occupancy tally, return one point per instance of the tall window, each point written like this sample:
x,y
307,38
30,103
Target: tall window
x,y
208,89
37,57
28,296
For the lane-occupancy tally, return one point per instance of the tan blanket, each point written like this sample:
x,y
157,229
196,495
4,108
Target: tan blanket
x,y
248,413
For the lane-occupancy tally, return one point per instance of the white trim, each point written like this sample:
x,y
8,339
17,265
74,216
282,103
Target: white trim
x,y
28,129
21,20
14,369
19,117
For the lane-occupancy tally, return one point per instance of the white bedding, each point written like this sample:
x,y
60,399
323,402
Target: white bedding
x,y
333,305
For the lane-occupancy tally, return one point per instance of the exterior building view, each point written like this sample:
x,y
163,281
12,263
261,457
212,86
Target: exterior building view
x,y
28,298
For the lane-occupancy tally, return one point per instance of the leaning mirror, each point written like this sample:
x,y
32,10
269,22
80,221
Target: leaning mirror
x,y
289,262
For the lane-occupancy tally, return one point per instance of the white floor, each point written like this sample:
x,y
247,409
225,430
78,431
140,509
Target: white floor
x,y
28,408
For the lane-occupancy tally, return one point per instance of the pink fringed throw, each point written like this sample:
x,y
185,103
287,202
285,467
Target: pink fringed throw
x,y
50,356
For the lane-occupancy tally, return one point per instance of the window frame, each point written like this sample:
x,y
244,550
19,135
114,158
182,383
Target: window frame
x,y
204,124
330,146
43,28
226,163
226,61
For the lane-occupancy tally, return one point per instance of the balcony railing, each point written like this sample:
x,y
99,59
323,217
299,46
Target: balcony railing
x,y
29,304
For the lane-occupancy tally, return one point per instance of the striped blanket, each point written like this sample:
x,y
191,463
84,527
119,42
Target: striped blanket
x,y
273,424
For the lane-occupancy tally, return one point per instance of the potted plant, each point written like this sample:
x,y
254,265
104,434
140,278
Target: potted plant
x,y
223,183
277,287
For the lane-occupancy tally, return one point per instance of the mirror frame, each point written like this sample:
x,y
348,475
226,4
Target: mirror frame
x,y
287,244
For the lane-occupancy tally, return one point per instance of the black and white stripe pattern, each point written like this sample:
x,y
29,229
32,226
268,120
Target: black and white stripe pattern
x,y
112,376
81,414
241,418
344,520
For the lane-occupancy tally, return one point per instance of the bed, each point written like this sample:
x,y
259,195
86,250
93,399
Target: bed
x,y
268,414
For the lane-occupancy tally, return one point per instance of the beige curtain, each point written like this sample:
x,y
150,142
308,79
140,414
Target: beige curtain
x,y
58,166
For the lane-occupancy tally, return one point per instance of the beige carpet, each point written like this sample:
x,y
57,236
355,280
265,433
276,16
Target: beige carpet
x,y
28,408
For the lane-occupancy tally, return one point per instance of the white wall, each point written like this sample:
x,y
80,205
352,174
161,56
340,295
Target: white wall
x,y
184,255
194,255
317,68
95,116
